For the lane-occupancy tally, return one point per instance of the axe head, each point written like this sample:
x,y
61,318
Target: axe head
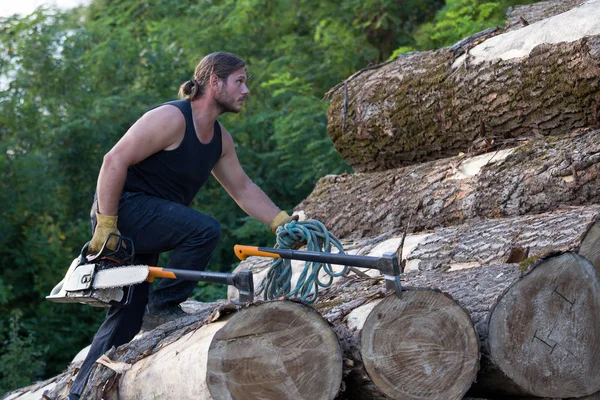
x,y
244,283
390,268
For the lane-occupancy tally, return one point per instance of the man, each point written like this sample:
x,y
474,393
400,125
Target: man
x,y
147,182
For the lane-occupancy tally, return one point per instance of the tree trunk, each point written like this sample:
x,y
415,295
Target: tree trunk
x,y
536,177
422,345
521,240
278,350
36,391
507,240
353,305
527,14
544,333
519,326
516,316
274,350
268,350
540,80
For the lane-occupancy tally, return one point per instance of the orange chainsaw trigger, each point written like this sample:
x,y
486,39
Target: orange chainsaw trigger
x,y
158,272
242,252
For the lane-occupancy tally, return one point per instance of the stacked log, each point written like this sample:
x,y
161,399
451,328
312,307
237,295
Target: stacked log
x,y
495,166
480,265
521,239
534,341
535,177
272,350
541,79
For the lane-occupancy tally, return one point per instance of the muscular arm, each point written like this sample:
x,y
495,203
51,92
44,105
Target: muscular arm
x,y
246,193
159,129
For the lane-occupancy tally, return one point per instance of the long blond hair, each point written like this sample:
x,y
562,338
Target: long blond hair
x,y
220,63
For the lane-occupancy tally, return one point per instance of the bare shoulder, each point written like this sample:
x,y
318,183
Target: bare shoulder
x,y
161,128
165,116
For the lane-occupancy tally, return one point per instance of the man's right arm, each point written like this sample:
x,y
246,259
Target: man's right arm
x,y
159,129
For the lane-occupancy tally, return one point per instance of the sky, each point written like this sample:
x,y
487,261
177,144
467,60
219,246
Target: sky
x,y
26,7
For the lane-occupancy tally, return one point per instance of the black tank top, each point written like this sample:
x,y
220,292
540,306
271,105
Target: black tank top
x,y
177,175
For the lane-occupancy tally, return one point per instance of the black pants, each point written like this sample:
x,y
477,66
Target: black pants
x,y
155,226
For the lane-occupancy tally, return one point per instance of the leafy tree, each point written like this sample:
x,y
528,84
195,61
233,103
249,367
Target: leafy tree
x,y
71,83
459,19
20,361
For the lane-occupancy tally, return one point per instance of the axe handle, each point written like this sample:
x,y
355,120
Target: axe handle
x,y
190,275
242,252
242,281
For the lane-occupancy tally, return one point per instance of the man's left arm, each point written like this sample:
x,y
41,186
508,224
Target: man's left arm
x,y
240,187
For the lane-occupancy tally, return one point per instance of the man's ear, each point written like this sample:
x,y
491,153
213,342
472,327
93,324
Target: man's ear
x,y
214,82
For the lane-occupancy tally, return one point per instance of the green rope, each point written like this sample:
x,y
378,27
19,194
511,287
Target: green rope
x,y
279,276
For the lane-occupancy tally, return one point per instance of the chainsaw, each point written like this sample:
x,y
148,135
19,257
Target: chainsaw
x,y
108,278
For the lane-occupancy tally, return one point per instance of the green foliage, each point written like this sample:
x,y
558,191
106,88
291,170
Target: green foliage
x,y
71,83
461,18
20,361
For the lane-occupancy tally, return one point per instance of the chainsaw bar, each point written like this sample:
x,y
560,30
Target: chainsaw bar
x,y
120,276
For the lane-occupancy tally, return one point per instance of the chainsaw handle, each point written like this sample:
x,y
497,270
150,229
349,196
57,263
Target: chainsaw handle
x,y
242,252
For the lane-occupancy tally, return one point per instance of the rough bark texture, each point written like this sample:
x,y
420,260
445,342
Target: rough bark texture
x,y
523,15
420,107
538,176
509,240
521,239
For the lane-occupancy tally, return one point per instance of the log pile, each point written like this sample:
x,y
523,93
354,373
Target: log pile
x,y
522,296
536,81
490,148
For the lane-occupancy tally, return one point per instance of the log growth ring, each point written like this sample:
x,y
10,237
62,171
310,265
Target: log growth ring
x,y
276,350
420,346
544,333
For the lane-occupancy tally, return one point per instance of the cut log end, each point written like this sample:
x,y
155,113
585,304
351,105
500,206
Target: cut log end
x,y
277,350
420,346
544,332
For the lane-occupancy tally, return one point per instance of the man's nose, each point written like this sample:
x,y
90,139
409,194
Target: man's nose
x,y
245,89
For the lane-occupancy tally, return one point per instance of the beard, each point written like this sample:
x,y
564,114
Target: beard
x,y
227,103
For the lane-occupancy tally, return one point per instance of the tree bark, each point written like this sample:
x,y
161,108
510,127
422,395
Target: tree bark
x,y
274,350
430,105
520,240
535,177
519,317
508,240
527,14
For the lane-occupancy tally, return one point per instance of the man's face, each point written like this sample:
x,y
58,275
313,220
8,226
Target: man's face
x,y
232,93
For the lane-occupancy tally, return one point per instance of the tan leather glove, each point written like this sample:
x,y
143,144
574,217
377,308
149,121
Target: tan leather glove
x,y
105,224
280,220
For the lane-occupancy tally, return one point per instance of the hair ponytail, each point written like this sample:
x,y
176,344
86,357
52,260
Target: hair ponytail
x,y
189,90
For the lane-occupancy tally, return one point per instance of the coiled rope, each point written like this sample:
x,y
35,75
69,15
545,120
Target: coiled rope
x,y
279,277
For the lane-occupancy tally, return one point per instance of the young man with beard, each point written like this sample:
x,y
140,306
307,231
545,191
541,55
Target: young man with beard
x,y
149,179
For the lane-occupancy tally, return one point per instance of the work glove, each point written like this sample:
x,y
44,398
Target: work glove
x,y
280,220
105,224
